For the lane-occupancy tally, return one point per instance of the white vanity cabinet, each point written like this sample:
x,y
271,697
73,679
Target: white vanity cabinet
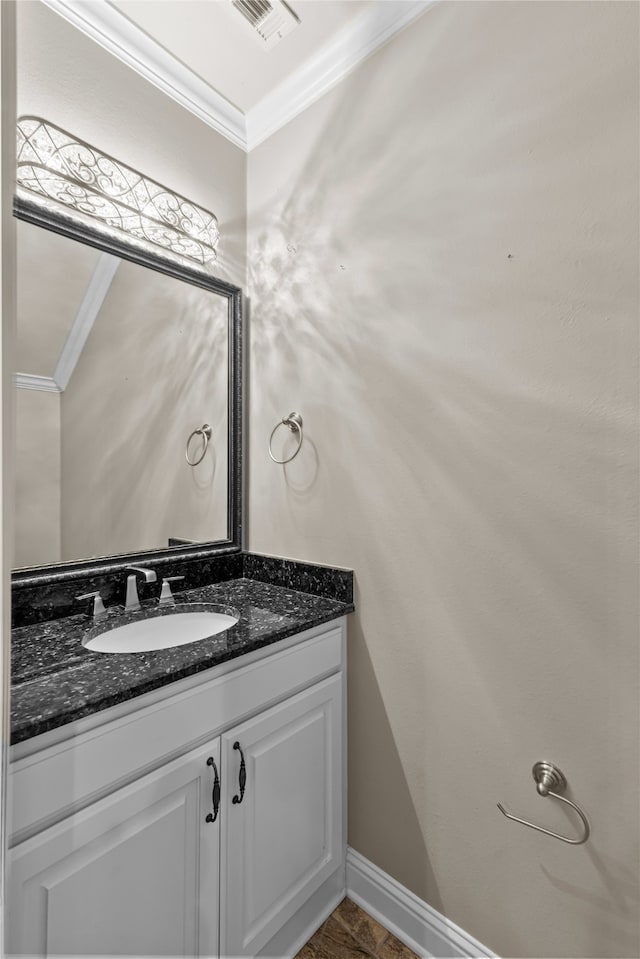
x,y
283,839
133,874
115,855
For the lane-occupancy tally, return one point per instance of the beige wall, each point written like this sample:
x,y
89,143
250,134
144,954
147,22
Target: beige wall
x,y
37,466
7,346
153,369
48,307
444,283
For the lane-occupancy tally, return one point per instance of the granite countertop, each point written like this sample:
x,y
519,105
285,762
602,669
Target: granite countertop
x,y
55,680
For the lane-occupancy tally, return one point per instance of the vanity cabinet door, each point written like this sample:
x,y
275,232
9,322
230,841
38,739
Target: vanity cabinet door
x,y
133,874
282,833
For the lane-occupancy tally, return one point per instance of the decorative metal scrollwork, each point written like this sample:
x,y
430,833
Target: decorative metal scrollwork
x,y
61,170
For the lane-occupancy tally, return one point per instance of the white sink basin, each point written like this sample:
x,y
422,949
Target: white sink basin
x,y
162,629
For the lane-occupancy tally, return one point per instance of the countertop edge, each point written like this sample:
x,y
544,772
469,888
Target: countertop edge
x,y
27,729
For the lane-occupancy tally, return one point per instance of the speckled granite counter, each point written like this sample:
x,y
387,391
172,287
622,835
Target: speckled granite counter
x,y
55,680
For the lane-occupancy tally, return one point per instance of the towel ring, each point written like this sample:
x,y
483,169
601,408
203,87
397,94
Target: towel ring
x,y
205,433
293,422
547,776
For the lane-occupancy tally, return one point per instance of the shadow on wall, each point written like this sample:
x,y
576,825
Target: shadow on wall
x,y
231,264
145,399
383,780
618,893
444,282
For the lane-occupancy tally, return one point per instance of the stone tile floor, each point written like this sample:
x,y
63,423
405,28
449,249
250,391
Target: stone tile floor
x,y
349,933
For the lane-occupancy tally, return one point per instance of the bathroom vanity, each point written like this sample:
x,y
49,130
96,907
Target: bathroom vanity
x,y
189,800
183,802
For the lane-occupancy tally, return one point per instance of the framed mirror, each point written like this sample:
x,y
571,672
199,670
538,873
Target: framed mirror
x,y
128,365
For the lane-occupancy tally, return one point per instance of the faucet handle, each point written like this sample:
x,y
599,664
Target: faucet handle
x,y
98,606
132,601
149,574
166,596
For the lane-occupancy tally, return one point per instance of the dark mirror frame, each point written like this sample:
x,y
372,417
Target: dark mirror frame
x,y
30,212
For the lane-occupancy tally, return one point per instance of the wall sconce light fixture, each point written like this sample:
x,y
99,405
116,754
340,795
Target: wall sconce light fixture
x,y
56,170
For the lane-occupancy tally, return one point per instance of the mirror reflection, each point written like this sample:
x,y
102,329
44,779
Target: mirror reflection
x,y
116,365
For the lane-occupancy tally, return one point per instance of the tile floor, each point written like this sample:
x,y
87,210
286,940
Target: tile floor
x,y
350,933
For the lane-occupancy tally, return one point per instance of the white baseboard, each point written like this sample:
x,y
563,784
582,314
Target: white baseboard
x,y
421,927
307,920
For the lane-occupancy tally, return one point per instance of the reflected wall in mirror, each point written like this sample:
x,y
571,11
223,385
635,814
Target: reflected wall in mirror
x,y
117,364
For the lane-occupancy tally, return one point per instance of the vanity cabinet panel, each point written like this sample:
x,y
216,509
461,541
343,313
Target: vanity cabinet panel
x,y
135,874
138,870
48,783
283,834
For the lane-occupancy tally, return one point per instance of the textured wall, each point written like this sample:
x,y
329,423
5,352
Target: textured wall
x,y
7,392
37,475
48,307
153,369
444,282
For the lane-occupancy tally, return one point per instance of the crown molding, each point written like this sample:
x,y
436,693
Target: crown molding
x,y
28,381
118,35
94,296
333,62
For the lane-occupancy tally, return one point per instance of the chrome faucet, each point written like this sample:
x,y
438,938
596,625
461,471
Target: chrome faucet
x,y
132,602
99,612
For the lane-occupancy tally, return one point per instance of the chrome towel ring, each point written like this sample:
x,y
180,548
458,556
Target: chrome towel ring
x,y
551,782
205,433
293,422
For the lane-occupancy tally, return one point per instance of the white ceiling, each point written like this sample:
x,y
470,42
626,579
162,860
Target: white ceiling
x,y
212,39
204,54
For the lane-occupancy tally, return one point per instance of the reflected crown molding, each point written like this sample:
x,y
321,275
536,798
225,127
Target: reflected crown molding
x,y
129,43
94,296
28,381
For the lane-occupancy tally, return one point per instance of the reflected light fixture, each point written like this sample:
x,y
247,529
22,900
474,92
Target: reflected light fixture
x,y
57,171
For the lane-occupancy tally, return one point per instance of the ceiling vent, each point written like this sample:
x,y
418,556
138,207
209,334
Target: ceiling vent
x,y
271,20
